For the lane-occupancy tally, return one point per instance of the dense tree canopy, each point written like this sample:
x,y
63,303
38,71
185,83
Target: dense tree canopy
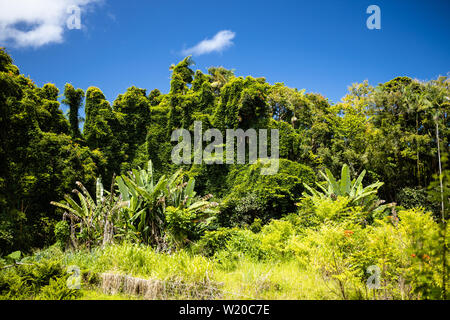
x,y
389,130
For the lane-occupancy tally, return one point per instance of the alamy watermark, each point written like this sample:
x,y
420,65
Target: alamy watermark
x,y
373,282
374,20
213,153
74,281
74,19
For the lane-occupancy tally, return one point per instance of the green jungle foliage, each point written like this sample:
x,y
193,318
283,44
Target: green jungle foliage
x,y
364,182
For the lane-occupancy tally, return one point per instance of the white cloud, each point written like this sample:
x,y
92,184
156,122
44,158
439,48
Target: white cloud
x,y
35,23
221,41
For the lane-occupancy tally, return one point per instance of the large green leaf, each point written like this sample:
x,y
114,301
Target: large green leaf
x,y
345,183
332,182
66,207
123,189
357,183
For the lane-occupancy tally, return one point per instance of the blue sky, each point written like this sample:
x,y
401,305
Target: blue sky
x,y
322,46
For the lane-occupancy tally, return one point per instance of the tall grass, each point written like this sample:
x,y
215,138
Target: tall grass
x,y
143,261
286,280
183,274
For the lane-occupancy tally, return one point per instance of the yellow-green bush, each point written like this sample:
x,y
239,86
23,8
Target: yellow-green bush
x,y
408,250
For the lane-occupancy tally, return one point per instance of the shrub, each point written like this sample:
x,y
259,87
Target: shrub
x,y
263,196
256,226
315,210
332,249
246,243
275,238
213,241
408,252
270,243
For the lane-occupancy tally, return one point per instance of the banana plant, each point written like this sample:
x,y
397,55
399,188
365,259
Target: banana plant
x,y
148,210
186,222
145,210
353,189
188,216
94,218
183,197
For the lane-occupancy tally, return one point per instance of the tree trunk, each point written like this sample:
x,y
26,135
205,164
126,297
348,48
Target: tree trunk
x,y
417,149
444,251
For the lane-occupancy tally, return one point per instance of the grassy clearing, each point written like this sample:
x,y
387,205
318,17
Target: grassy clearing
x,y
184,275
143,261
271,280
